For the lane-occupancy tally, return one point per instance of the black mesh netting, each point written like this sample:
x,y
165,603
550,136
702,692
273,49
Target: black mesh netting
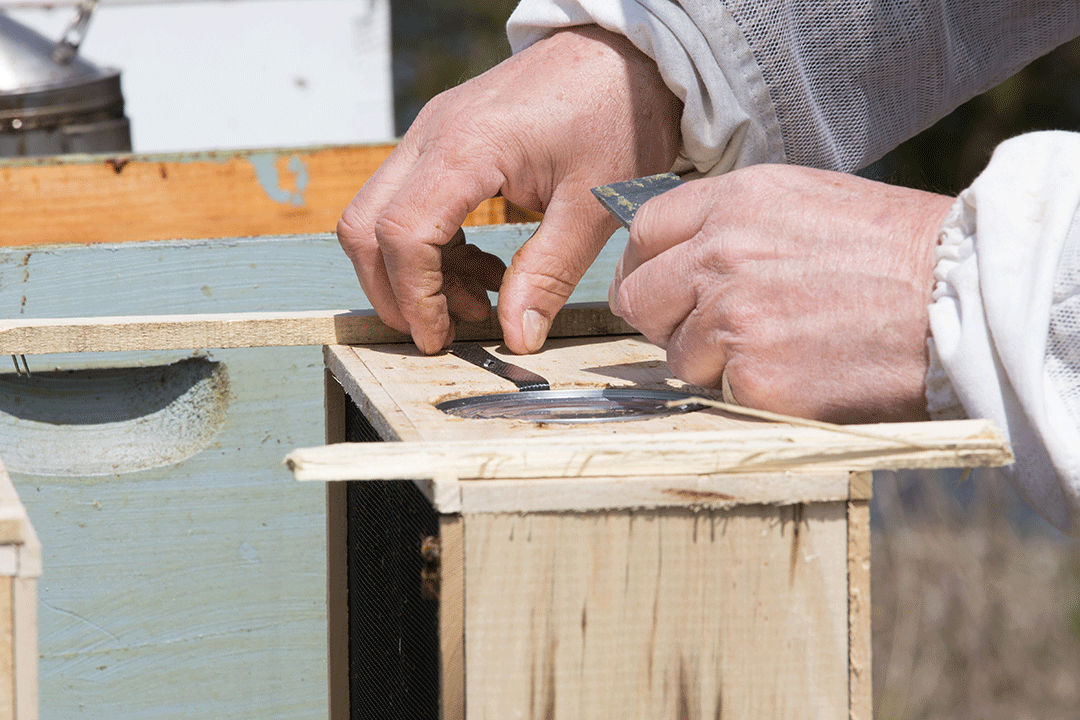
x,y
393,628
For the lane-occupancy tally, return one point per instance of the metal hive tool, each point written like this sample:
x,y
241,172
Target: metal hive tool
x,y
624,199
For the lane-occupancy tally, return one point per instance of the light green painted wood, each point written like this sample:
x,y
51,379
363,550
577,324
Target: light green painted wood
x,y
195,589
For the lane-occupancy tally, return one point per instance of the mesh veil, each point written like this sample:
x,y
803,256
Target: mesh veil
x,y
1063,341
852,79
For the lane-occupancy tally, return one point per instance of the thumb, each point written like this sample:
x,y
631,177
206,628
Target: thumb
x,y
547,268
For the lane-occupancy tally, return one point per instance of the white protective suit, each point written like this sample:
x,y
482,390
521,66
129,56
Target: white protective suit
x,y
836,85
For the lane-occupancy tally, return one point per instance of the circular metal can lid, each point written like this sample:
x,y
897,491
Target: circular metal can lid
x,y
27,65
571,406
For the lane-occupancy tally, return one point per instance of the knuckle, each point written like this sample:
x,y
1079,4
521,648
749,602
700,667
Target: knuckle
x,y
627,304
550,274
347,231
359,247
622,303
392,226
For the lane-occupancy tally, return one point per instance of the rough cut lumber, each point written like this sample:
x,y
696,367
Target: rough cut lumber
x,y
257,329
452,617
177,332
960,443
93,199
736,613
7,648
700,459
860,644
612,493
370,397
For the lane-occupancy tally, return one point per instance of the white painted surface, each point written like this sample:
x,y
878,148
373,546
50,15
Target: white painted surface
x,y
241,73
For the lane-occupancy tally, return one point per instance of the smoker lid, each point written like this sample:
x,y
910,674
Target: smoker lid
x,y
27,65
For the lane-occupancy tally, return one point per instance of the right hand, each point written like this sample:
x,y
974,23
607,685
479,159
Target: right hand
x,y
809,289
580,108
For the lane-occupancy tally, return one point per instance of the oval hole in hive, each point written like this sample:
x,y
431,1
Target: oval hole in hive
x,y
110,421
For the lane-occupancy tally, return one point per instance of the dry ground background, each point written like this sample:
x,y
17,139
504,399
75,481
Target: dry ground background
x,y
976,601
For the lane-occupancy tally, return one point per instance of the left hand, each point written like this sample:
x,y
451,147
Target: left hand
x,y
810,287
580,108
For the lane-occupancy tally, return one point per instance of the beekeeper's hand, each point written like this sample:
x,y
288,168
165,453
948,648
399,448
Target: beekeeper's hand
x,y
809,288
578,109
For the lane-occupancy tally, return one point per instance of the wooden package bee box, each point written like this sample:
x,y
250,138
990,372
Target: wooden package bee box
x,y
698,565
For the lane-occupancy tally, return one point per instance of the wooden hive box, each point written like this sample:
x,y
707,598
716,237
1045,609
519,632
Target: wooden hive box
x,y
698,565
125,234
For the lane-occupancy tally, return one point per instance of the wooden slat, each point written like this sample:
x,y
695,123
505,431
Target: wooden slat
x,y
7,648
659,614
452,617
175,332
26,648
95,199
257,329
861,485
610,493
960,443
860,645
15,526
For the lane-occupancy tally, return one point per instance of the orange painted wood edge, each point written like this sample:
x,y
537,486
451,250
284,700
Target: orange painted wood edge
x,y
95,199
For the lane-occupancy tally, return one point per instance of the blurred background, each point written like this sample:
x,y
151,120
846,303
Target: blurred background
x,y
976,600
224,74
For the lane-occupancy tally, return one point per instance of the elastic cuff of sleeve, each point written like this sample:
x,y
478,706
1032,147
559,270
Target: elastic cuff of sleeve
x,y
941,400
955,244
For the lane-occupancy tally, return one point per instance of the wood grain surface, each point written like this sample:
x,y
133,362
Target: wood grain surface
x,y
959,443
19,336
413,384
860,642
400,389
659,614
95,199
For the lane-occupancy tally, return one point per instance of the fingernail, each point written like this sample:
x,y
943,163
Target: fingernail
x,y
534,329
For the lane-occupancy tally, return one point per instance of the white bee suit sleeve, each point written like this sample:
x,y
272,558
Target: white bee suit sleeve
x,y
728,119
833,85
1005,320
